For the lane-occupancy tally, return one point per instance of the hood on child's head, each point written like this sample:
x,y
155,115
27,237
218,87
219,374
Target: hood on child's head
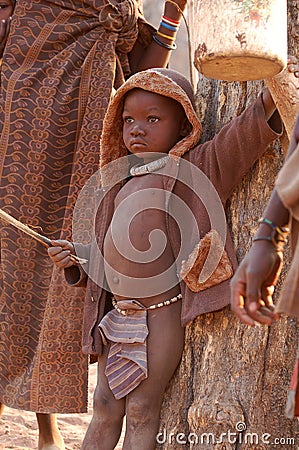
x,y
165,82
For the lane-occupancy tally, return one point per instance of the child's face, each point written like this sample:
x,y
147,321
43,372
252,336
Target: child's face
x,y
152,122
6,8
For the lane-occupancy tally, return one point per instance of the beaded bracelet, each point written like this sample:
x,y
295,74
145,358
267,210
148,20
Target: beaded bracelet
x,y
278,236
162,44
170,21
280,230
165,36
278,244
168,27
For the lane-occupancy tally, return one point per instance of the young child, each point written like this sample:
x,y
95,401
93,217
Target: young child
x,y
150,300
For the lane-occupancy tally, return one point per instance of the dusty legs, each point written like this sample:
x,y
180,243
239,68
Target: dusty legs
x,y
141,406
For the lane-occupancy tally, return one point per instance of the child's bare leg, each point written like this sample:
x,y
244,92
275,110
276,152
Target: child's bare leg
x,y
49,434
165,346
105,427
1,409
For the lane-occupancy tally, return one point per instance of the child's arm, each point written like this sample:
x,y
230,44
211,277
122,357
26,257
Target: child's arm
x,y
233,151
236,147
60,253
271,114
284,89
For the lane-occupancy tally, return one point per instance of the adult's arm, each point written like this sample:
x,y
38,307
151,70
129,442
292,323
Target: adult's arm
x,y
156,55
253,284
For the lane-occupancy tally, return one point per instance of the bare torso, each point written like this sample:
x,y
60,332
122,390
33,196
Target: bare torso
x,y
136,245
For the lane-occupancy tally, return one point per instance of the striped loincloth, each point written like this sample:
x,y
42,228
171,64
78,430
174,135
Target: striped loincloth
x,y
127,359
126,328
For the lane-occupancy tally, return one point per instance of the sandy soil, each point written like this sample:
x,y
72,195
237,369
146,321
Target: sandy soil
x,y
18,429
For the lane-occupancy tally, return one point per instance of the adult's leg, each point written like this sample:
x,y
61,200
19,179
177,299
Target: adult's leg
x,y
105,427
50,437
165,346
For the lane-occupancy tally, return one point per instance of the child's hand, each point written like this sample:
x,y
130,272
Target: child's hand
x,y
61,252
293,65
4,30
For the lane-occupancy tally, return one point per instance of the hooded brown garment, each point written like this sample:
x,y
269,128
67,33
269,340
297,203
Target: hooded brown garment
x,y
223,160
61,62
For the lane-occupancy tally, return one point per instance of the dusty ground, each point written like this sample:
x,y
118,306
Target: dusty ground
x,y
18,429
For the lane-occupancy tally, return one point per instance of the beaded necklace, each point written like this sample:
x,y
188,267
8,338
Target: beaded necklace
x,y
150,167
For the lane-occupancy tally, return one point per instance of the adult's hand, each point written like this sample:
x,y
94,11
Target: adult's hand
x,y
253,284
174,8
180,3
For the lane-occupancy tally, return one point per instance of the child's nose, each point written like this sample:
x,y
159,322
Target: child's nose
x,y
137,129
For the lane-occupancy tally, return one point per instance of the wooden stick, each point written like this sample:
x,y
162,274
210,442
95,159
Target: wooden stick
x,y
37,236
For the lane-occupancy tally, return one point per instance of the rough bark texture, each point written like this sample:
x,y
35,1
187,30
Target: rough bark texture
x,y
232,376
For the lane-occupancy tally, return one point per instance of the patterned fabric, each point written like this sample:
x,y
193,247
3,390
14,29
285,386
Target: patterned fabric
x,y
62,60
127,359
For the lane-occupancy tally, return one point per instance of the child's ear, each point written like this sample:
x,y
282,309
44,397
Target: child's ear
x,y
186,127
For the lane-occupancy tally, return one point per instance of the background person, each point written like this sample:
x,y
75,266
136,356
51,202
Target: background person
x,y
61,63
253,284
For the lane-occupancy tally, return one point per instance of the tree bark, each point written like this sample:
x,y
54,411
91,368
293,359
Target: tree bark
x,y
233,378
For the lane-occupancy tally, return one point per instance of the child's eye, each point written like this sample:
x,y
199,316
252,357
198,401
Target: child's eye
x,y
128,119
153,119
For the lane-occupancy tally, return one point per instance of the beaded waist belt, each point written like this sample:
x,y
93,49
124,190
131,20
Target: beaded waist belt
x,y
124,312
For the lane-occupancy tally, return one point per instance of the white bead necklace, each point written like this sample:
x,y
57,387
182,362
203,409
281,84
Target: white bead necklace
x,y
150,167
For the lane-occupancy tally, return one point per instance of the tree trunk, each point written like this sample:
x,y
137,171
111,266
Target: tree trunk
x,y
234,379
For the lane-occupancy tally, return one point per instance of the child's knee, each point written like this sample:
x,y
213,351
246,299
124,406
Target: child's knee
x,y
106,407
141,411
